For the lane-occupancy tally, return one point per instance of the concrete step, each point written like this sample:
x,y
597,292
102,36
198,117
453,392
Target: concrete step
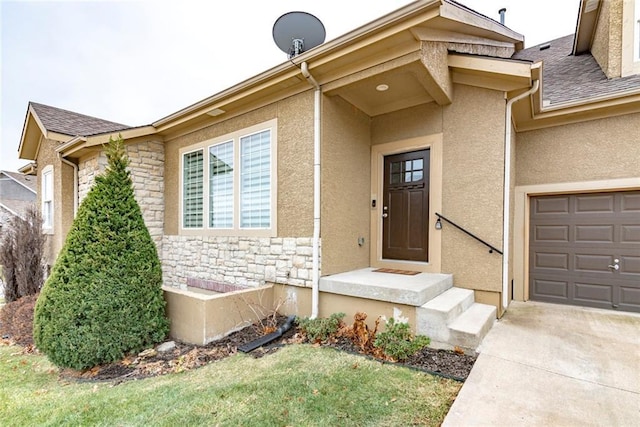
x,y
434,317
413,290
469,329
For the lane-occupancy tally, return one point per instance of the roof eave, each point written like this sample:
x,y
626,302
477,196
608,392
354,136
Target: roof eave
x,y
408,16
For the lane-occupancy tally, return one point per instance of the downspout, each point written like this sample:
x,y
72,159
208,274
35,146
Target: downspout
x,y
507,190
75,182
315,272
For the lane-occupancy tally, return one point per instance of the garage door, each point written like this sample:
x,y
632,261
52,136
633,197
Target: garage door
x,y
585,250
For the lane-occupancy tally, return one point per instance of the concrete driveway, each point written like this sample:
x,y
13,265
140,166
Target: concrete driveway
x,y
554,365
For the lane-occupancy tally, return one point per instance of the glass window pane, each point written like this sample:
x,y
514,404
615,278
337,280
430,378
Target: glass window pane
x,y
221,185
395,167
407,165
395,178
255,180
192,191
407,177
417,175
417,164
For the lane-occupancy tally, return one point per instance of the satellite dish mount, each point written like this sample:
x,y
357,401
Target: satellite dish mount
x,y
297,32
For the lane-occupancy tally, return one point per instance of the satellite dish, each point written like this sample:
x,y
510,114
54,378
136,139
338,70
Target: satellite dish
x,y
297,32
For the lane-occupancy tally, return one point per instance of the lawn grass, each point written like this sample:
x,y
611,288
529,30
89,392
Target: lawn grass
x,y
299,385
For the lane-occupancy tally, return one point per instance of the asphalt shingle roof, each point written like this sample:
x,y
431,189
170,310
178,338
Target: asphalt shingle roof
x,y
74,124
26,180
568,77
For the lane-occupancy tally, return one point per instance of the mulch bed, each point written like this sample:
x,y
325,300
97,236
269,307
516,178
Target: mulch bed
x,y
183,357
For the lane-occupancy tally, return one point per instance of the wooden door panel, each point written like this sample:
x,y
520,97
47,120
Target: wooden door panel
x,y
406,206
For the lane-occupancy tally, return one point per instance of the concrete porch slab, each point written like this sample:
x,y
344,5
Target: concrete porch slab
x,y
395,288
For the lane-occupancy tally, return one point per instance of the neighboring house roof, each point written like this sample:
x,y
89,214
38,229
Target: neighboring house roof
x,y
568,77
16,207
73,124
26,181
14,202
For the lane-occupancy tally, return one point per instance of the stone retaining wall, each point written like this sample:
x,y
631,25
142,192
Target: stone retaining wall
x,y
244,261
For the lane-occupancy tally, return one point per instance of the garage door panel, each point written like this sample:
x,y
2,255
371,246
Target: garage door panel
x,y
594,234
550,290
601,293
629,298
630,233
630,265
556,261
552,233
593,263
630,202
599,203
573,241
551,205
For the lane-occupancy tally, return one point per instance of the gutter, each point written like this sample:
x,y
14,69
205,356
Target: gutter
x,y
507,190
315,272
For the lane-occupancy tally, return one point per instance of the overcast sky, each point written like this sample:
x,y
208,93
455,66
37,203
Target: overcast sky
x,y
134,62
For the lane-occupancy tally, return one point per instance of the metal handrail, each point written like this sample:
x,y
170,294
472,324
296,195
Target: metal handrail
x,y
491,247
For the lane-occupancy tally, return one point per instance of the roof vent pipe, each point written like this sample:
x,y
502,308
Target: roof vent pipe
x,y
502,13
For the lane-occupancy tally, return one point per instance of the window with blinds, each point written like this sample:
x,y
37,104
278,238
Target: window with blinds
x,y
221,185
231,192
255,180
192,190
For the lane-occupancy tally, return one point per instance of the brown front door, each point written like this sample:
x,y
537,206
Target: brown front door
x,y
405,209
585,250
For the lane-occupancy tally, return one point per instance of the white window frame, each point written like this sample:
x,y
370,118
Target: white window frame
x,y
236,230
47,197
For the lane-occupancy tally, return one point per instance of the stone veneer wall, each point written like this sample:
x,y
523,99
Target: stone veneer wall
x,y
147,173
244,261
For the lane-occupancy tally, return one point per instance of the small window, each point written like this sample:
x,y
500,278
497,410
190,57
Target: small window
x,y
47,197
192,191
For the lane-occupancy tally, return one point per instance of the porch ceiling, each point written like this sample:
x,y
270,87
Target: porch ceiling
x,y
406,88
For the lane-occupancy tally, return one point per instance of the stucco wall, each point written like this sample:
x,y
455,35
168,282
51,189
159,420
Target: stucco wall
x,y
606,47
472,190
295,162
596,150
62,197
346,186
425,119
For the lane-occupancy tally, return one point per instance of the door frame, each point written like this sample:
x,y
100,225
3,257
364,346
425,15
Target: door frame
x,y
378,152
523,194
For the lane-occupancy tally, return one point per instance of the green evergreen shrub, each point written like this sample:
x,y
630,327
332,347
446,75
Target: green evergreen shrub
x,y
104,296
320,328
398,342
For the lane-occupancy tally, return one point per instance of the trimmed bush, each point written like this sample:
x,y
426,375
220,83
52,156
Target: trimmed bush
x,y
320,328
398,342
21,250
104,296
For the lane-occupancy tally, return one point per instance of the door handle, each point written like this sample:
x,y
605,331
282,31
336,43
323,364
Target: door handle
x,y
384,215
614,266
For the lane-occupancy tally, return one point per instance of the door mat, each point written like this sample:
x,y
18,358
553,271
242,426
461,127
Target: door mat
x,y
393,271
